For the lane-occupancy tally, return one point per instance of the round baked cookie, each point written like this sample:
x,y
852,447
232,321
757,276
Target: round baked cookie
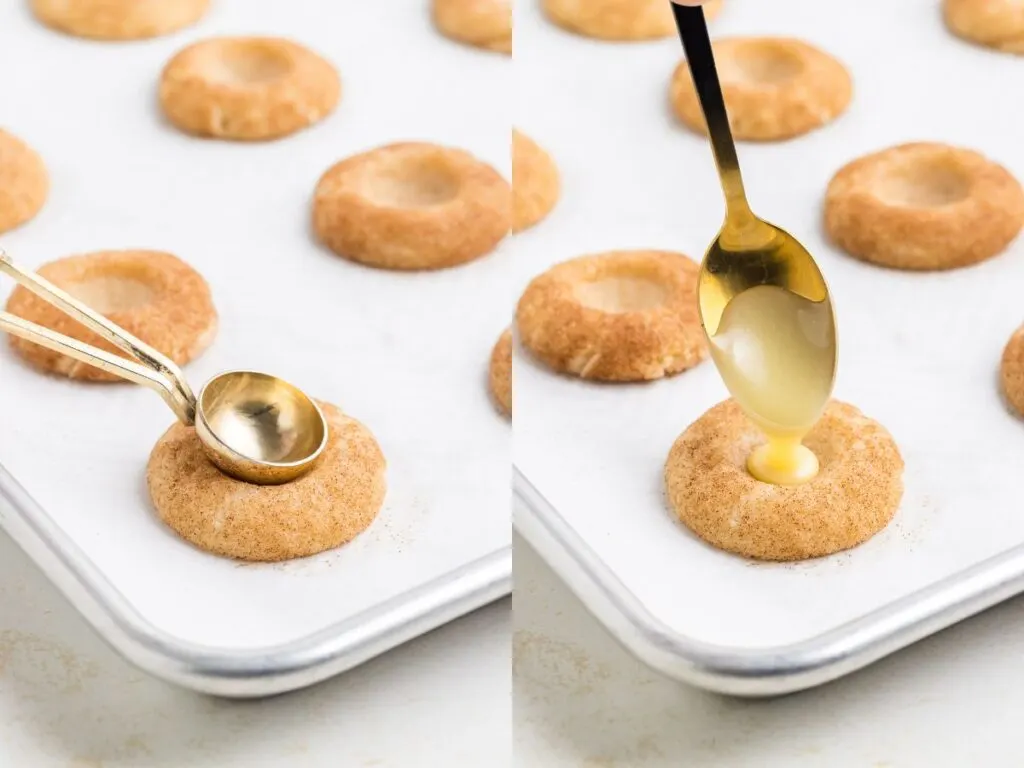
x,y
412,206
247,88
855,494
482,23
24,182
119,19
997,24
500,376
619,20
154,296
323,509
923,206
1011,371
535,182
616,316
774,88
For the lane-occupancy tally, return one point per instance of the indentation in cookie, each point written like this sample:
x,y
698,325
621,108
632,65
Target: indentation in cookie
x,y
622,293
928,182
112,293
411,182
248,63
764,63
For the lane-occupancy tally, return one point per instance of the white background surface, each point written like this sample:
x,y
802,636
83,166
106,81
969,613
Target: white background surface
x,y
393,350
918,352
67,701
581,702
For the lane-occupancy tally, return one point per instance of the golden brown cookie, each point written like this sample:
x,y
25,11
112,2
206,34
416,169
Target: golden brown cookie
x,y
1011,371
24,182
616,316
247,88
323,509
619,20
535,182
119,19
855,494
481,23
154,296
501,373
412,206
923,206
997,24
774,88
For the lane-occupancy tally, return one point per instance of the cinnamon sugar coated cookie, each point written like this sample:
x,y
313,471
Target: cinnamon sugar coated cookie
x,y
616,316
501,373
154,296
997,24
411,206
323,509
619,20
247,88
1011,371
923,206
119,19
775,88
481,23
24,182
855,494
535,182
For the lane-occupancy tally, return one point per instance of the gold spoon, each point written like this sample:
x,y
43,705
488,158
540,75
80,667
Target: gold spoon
x,y
763,302
252,426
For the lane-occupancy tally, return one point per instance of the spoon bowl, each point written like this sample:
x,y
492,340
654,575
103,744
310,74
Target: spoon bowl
x,y
259,427
756,253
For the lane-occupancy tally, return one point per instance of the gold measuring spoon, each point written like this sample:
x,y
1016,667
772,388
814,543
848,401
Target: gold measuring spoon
x,y
252,426
763,301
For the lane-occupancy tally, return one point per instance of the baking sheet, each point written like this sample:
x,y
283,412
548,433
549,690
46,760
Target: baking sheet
x,y
918,352
406,354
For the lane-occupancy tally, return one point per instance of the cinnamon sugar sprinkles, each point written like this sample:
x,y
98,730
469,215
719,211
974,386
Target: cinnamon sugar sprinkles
x,y
323,509
484,24
996,24
923,206
24,182
412,206
247,88
119,19
619,20
154,296
855,494
1011,371
536,185
500,374
616,316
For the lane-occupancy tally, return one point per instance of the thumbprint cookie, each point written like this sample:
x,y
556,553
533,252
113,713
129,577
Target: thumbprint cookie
x,y
154,296
412,206
247,88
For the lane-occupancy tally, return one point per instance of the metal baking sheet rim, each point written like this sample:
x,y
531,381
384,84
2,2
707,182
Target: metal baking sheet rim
x,y
250,672
746,672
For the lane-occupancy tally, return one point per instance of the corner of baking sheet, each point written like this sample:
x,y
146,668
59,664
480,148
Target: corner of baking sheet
x,y
756,672
255,672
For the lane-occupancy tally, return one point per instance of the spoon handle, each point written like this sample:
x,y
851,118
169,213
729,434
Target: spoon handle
x,y
693,31
100,358
156,371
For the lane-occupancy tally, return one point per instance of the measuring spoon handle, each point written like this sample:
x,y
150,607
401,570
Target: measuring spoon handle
x,y
160,372
119,366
